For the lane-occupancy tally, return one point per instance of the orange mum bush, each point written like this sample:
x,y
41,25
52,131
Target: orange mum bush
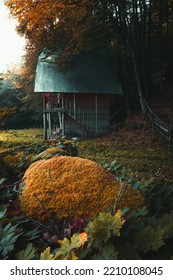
x,y
70,187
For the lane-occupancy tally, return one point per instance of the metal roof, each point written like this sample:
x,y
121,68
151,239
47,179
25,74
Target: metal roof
x,y
90,73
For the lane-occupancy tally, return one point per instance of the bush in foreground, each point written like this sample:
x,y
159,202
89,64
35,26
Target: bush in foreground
x,y
70,187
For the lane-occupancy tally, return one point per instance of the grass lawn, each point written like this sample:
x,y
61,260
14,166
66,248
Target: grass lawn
x,y
20,136
132,146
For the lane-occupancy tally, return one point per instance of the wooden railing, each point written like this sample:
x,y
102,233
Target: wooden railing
x,y
88,121
165,129
82,118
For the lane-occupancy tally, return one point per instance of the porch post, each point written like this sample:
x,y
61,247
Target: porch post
x,y
44,119
74,102
44,126
63,117
60,119
49,125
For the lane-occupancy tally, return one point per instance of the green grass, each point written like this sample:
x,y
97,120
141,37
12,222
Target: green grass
x,y
143,154
21,135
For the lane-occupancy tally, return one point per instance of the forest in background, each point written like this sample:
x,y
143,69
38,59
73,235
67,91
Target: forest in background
x,y
138,32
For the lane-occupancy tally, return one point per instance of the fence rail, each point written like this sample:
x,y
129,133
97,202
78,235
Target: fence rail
x,y
164,129
83,119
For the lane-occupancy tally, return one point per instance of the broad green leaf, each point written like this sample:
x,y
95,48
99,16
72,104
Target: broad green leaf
x,y
46,255
7,243
151,239
140,212
32,234
8,229
166,223
27,254
124,212
8,237
107,253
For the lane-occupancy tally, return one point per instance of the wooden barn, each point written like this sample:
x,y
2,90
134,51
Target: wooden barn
x,y
80,101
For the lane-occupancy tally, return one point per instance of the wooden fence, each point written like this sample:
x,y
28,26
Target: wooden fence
x,y
165,129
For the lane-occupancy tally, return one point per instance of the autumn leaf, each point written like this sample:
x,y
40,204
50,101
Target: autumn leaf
x,y
46,255
105,226
83,238
68,246
117,223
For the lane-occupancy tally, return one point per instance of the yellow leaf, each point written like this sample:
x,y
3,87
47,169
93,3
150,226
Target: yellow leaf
x,y
68,247
46,255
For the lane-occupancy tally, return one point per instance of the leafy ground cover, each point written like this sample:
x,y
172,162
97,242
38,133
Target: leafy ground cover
x,y
135,156
135,147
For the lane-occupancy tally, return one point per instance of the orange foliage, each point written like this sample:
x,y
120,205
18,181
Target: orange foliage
x,y
70,187
45,22
48,24
50,153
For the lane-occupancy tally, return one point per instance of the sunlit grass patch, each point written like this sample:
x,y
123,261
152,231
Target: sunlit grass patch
x,y
21,135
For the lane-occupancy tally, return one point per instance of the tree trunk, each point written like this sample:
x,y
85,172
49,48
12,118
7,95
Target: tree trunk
x,y
139,86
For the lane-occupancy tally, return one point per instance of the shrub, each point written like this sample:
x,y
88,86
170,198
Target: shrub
x,y
50,153
70,187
